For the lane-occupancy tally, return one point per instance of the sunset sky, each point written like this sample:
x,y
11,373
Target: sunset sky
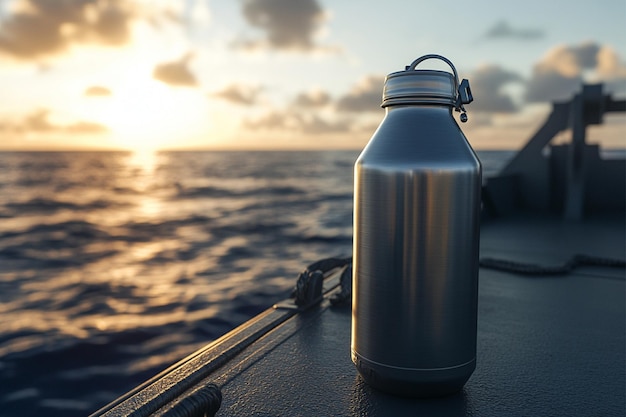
x,y
144,75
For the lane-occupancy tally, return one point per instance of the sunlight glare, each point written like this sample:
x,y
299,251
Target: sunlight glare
x,y
145,114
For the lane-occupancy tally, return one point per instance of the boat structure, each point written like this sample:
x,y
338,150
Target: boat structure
x,y
551,310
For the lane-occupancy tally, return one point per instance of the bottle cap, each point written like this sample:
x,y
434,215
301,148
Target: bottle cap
x,y
413,86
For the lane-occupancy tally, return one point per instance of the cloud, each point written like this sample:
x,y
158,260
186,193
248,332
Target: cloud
x,y
612,70
97,91
175,73
43,28
288,24
503,30
298,122
366,96
551,86
84,127
111,26
240,94
315,125
487,87
271,121
313,98
38,122
560,73
314,112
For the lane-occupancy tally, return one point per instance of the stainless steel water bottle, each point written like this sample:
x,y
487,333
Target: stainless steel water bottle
x,y
416,236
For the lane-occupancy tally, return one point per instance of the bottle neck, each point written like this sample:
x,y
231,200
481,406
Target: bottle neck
x,y
444,108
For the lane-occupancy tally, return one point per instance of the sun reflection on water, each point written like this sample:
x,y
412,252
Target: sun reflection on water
x,y
145,159
143,164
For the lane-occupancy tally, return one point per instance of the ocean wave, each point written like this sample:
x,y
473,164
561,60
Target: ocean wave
x,y
41,205
217,192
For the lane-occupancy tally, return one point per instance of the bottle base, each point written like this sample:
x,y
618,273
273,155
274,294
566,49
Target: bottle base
x,y
414,383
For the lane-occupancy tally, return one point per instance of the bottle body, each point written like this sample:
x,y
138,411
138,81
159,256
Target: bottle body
x,y
415,263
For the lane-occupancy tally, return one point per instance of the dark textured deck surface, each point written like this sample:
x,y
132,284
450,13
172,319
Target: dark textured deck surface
x,y
546,345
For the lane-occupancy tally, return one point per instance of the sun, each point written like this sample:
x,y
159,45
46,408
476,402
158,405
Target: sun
x,y
144,114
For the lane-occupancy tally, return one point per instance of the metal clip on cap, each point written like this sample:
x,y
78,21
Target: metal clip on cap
x,y
465,97
463,94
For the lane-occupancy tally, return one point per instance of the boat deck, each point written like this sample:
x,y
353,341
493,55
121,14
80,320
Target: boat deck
x,y
547,345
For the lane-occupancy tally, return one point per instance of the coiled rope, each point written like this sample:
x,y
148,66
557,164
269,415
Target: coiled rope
x,y
304,294
203,402
574,262
309,285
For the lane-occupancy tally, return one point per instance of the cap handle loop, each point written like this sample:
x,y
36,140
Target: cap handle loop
x,y
463,93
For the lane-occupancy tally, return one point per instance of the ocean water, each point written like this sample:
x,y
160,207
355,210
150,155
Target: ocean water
x,y
115,265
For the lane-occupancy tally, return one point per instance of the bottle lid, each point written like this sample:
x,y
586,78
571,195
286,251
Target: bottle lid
x,y
421,86
413,86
